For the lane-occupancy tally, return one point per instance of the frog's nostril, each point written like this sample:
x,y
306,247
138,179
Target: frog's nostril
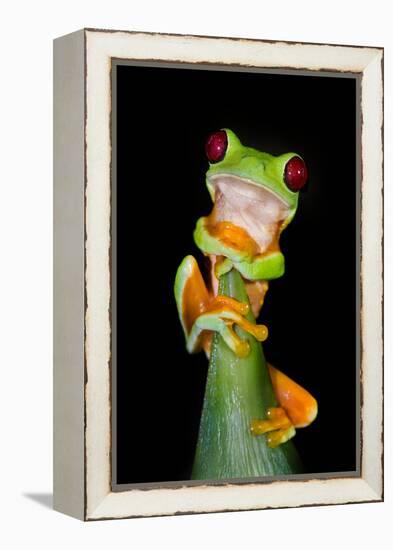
x,y
295,174
216,146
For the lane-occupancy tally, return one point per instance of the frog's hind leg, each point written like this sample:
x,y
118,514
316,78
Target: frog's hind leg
x,y
300,406
201,314
297,409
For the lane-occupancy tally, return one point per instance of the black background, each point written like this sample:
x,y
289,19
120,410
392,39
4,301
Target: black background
x,y
163,118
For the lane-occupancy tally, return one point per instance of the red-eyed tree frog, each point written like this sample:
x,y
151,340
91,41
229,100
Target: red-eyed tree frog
x,y
255,197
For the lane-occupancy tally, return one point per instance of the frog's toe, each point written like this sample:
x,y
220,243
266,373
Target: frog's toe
x,y
240,347
278,437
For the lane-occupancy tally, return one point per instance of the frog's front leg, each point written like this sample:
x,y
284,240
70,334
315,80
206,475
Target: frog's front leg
x,y
221,316
201,313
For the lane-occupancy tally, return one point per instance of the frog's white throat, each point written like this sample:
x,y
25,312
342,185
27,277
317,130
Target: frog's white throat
x,y
251,206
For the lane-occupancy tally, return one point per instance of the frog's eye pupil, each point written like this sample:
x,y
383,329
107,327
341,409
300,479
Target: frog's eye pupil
x,y
295,174
216,146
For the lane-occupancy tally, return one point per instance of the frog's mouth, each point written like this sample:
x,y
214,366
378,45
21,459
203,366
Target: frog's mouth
x,y
251,206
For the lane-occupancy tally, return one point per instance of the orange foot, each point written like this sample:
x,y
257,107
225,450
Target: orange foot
x,y
277,425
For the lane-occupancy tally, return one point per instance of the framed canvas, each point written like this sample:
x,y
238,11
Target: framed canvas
x,y
141,426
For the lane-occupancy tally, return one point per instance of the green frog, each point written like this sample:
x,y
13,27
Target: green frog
x,y
255,196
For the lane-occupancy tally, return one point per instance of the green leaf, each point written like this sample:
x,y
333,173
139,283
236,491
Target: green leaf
x,y
238,390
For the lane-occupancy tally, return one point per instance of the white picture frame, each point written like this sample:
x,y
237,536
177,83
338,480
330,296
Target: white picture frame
x,y
82,240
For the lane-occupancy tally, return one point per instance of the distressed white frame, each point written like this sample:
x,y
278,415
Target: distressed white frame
x,y
84,490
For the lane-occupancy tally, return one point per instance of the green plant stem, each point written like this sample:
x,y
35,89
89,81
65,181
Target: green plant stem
x,y
238,390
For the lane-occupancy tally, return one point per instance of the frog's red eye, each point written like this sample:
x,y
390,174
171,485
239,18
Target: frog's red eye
x,y
216,146
295,174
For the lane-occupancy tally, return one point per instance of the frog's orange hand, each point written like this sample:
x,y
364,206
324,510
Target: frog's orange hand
x,y
297,409
202,314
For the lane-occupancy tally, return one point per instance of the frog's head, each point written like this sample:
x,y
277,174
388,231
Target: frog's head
x,y
254,182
